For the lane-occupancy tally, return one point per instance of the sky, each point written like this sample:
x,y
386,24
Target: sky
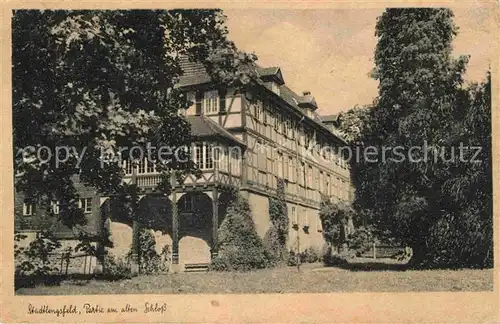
x,y
330,51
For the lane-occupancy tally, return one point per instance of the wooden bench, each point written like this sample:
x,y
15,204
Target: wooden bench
x,y
196,267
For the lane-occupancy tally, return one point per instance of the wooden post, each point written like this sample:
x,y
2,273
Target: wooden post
x,y
175,228
67,261
62,262
374,251
215,222
100,248
135,261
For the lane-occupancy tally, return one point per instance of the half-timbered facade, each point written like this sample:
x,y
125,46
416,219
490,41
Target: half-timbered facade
x,y
285,138
245,139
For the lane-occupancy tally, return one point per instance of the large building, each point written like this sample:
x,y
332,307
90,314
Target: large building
x,y
244,139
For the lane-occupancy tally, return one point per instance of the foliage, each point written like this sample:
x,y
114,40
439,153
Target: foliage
x,y
116,268
278,233
91,81
273,245
354,122
361,240
309,255
438,205
334,218
150,261
240,247
18,250
333,259
36,260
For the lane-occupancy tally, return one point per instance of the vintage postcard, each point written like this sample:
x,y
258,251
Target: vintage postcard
x,y
249,162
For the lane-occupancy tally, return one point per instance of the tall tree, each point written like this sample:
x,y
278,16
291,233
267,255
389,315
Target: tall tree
x,y
418,116
93,81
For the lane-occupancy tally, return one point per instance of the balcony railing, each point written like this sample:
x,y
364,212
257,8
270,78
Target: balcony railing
x,y
208,177
148,180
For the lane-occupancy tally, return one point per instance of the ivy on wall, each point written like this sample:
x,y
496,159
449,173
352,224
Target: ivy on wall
x,y
277,235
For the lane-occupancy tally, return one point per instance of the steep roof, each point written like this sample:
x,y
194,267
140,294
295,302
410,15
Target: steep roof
x,y
204,127
195,73
265,71
330,118
271,74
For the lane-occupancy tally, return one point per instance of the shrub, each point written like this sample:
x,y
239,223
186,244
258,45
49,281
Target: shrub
x,y
273,245
292,259
116,268
361,240
240,247
277,235
150,261
333,259
36,259
309,255
335,218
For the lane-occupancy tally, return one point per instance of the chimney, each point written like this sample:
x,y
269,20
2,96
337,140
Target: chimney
x,y
307,102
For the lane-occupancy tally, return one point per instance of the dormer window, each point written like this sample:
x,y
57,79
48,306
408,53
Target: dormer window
x,y
28,209
275,88
211,102
259,110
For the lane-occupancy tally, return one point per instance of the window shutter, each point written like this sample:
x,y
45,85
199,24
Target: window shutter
x,y
198,98
222,101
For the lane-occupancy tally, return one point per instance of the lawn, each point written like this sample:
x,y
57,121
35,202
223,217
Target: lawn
x,y
312,278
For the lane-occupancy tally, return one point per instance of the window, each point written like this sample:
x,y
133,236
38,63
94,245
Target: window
x,y
55,207
141,166
259,111
291,170
129,166
307,139
306,218
277,122
286,127
150,166
235,162
265,113
203,156
317,180
28,209
187,204
270,165
286,168
218,156
269,181
211,102
279,165
319,226
209,163
269,114
302,170
198,157
309,176
294,216
86,205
